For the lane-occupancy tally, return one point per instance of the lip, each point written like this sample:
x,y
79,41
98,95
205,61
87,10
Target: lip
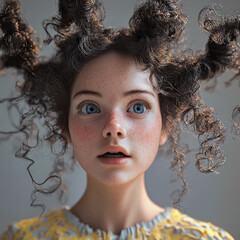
x,y
114,149
114,161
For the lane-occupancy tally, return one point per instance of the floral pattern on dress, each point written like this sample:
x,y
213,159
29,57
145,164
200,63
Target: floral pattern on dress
x,y
61,224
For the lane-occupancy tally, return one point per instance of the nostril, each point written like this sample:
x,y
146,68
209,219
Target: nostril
x,y
114,133
109,134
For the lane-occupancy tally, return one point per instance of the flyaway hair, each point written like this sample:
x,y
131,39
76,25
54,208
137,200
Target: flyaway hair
x,y
153,39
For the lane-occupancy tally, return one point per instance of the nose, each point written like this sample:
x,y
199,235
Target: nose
x,y
114,127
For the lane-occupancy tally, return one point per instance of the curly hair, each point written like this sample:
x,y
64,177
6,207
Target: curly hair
x,y
153,39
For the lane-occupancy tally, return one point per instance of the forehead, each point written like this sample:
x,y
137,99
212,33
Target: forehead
x,y
112,71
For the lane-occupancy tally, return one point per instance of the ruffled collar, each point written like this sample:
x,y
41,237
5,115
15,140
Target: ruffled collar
x,y
133,230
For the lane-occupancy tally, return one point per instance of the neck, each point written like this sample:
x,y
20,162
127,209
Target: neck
x,y
113,208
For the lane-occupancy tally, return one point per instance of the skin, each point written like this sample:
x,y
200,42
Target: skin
x,y
115,197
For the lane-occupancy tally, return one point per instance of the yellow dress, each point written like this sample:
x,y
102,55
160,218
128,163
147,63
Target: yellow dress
x,y
63,225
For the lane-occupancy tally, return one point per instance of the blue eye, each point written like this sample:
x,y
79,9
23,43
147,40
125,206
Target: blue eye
x,y
137,108
90,108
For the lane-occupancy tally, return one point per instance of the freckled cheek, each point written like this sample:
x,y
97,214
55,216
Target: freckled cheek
x,y
81,136
148,133
147,139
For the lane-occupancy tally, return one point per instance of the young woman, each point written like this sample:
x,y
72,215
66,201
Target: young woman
x,y
115,96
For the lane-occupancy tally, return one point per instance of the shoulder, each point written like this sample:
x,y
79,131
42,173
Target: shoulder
x,y
50,224
179,224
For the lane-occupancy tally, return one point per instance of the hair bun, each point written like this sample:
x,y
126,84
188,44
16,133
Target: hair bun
x,y
74,16
18,47
223,30
161,19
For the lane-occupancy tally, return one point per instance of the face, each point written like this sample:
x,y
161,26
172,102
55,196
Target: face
x,y
114,108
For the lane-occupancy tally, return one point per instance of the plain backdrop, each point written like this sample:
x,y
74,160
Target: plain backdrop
x,y
211,197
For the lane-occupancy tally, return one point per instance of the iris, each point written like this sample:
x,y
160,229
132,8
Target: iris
x,y
138,108
90,108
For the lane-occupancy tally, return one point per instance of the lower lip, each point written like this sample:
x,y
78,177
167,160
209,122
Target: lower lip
x,y
114,161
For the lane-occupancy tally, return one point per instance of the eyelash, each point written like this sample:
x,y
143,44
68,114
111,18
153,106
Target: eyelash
x,y
85,103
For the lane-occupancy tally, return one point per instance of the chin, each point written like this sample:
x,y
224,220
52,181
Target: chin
x,y
115,179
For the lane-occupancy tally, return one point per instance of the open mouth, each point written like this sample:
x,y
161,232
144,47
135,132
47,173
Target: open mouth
x,y
114,155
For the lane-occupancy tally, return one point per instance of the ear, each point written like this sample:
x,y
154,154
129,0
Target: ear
x,y
163,137
67,136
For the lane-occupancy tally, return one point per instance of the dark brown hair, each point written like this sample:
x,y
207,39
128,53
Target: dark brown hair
x,y
153,39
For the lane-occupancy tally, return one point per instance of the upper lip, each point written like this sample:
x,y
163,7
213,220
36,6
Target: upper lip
x,y
114,149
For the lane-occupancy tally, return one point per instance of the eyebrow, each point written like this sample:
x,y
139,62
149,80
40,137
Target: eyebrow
x,y
125,94
87,92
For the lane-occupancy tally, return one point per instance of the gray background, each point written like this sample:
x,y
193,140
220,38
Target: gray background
x,y
212,197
